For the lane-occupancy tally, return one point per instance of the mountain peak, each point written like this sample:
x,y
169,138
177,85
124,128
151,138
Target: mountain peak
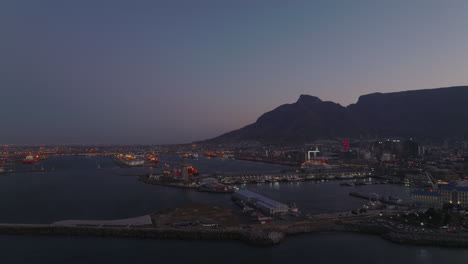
x,y
308,99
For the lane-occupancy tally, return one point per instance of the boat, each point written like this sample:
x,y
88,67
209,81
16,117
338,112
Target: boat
x,y
292,178
295,178
293,207
394,200
273,179
373,205
31,160
263,219
226,181
215,187
247,209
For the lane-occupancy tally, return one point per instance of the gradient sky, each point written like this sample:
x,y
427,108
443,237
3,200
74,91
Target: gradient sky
x,y
93,71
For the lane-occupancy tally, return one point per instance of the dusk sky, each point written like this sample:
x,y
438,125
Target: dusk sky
x,y
153,72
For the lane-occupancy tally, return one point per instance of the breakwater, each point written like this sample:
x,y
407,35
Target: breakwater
x,y
267,235
438,239
428,239
260,237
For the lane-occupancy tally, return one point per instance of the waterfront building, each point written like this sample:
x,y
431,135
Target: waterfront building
x,y
444,194
454,195
260,202
427,199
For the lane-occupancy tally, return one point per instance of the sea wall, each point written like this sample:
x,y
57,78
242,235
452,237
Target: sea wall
x,y
414,238
254,237
264,236
441,240
362,227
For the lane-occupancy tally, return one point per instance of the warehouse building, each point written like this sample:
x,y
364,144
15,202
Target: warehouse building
x,y
260,202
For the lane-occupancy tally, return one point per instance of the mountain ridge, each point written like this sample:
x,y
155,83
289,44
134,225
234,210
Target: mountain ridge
x,y
438,112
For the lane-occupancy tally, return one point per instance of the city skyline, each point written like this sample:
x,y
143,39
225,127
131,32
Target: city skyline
x,y
234,131
179,71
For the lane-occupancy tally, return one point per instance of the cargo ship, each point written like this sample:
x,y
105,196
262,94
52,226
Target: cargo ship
x,y
31,160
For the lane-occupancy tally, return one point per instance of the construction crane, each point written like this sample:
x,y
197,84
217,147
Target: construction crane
x,y
431,180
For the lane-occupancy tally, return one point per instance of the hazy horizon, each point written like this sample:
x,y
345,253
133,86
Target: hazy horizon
x,y
160,72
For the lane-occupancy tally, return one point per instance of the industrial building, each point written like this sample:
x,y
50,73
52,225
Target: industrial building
x,y
260,202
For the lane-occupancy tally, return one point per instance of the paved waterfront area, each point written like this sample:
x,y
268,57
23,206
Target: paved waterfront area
x,y
144,220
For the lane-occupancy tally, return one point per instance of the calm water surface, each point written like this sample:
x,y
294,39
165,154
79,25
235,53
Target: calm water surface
x,y
77,190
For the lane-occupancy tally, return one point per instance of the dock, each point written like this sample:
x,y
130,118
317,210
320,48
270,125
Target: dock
x,y
378,198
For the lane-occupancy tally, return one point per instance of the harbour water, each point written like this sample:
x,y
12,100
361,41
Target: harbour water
x,y
77,190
